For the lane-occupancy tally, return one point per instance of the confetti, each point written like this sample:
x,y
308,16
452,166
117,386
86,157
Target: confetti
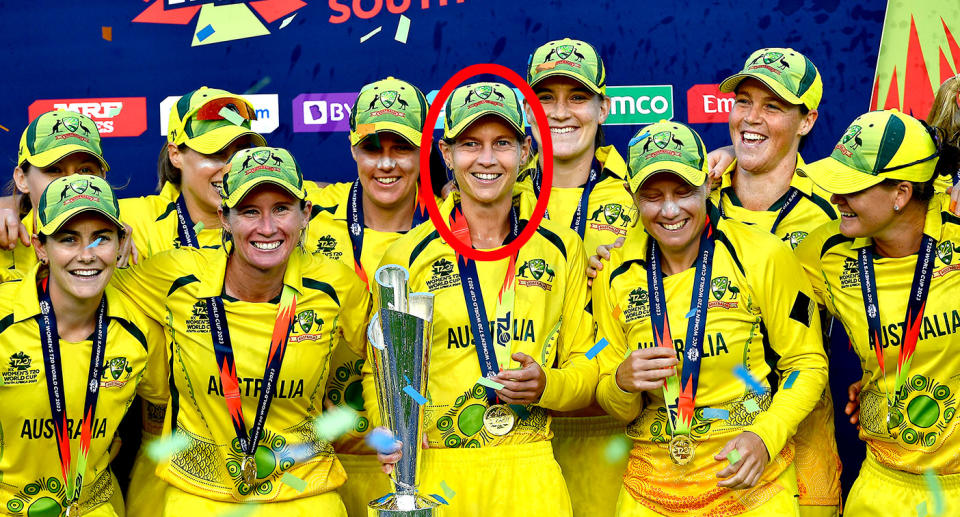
x,y
231,115
595,349
382,441
922,509
240,510
790,378
691,313
617,449
418,398
115,111
293,482
490,383
205,32
333,423
197,228
95,243
258,86
748,379
447,491
106,33
637,139
439,499
733,456
936,491
162,448
370,34
751,406
403,29
5,129
714,413
286,21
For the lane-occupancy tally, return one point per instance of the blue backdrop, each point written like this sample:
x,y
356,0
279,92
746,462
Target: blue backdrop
x,y
59,50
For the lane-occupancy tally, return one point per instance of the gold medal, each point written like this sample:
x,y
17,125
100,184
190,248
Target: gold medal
x,y
73,510
681,449
498,420
248,469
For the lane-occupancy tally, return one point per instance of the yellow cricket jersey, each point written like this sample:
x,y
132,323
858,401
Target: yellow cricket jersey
x,y
32,481
768,327
21,258
812,210
331,304
549,324
610,208
942,183
926,437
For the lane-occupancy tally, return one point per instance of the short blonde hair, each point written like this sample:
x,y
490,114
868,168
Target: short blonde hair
x,y
945,112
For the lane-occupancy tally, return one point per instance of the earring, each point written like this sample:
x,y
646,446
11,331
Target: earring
x,y
896,208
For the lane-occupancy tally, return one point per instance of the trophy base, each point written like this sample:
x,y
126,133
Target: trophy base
x,y
394,505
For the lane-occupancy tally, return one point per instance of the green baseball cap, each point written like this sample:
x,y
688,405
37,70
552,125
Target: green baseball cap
x,y
667,146
468,103
256,166
572,58
388,105
788,73
68,196
197,120
55,134
878,145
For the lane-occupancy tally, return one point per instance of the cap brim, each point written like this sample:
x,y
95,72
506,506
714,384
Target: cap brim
x,y
730,84
52,156
465,123
364,130
572,75
694,177
53,226
213,141
838,178
239,194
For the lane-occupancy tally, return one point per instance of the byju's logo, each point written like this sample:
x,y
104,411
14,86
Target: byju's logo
x,y
323,112
266,105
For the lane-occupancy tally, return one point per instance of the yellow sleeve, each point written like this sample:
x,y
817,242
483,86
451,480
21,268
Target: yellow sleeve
x,y
616,402
146,283
793,331
808,252
573,384
154,385
355,308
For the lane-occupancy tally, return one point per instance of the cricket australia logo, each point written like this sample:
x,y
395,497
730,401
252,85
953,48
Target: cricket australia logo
x,y
795,238
561,55
850,141
719,288
260,159
638,305
661,141
483,94
19,371
537,268
945,254
306,327
70,125
77,189
328,246
772,61
388,99
615,218
116,372
442,276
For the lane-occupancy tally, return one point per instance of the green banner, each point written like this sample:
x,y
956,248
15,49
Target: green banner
x,y
639,104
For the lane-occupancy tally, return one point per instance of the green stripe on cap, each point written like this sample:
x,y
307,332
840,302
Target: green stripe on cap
x,y
809,76
32,136
893,134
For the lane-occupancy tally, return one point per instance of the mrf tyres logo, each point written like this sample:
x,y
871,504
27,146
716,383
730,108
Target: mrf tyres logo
x,y
536,273
114,116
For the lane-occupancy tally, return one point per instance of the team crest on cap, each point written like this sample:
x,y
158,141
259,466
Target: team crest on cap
x,y
484,91
770,58
564,51
537,269
387,99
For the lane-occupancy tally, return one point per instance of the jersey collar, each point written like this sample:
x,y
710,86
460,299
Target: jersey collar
x,y
800,182
211,284
932,225
611,163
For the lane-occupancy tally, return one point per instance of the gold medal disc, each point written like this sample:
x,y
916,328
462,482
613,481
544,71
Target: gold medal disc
x,y
248,469
681,449
73,510
499,420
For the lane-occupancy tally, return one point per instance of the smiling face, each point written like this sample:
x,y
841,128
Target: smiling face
x,y
77,270
486,159
33,180
574,114
202,175
672,211
870,211
389,171
764,129
266,226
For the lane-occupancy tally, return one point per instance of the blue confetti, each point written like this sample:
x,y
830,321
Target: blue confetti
x,y
95,243
748,379
438,498
790,378
205,33
714,413
382,441
418,398
691,313
600,345
638,138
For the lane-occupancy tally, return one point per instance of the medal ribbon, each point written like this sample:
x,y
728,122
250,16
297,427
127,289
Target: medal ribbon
x,y
681,394
494,356
220,334
56,389
188,237
922,276
579,222
793,197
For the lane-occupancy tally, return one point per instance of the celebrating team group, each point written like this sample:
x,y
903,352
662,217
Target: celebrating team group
x,y
235,304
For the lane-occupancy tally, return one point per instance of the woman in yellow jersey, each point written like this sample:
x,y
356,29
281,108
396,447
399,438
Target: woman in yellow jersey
x,y
54,144
262,300
75,352
587,195
492,448
774,110
695,287
355,223
887,270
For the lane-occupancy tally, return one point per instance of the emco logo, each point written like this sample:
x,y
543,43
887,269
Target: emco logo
x,y
115,116
706,104
267,106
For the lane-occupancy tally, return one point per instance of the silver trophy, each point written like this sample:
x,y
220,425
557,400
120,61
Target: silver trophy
x,y
400,334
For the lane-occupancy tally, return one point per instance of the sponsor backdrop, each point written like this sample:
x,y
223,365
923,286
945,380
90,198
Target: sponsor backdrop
x,y
124,63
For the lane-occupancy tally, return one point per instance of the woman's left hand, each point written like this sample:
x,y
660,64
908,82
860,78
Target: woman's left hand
x,y
128,250
747,470
522,386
